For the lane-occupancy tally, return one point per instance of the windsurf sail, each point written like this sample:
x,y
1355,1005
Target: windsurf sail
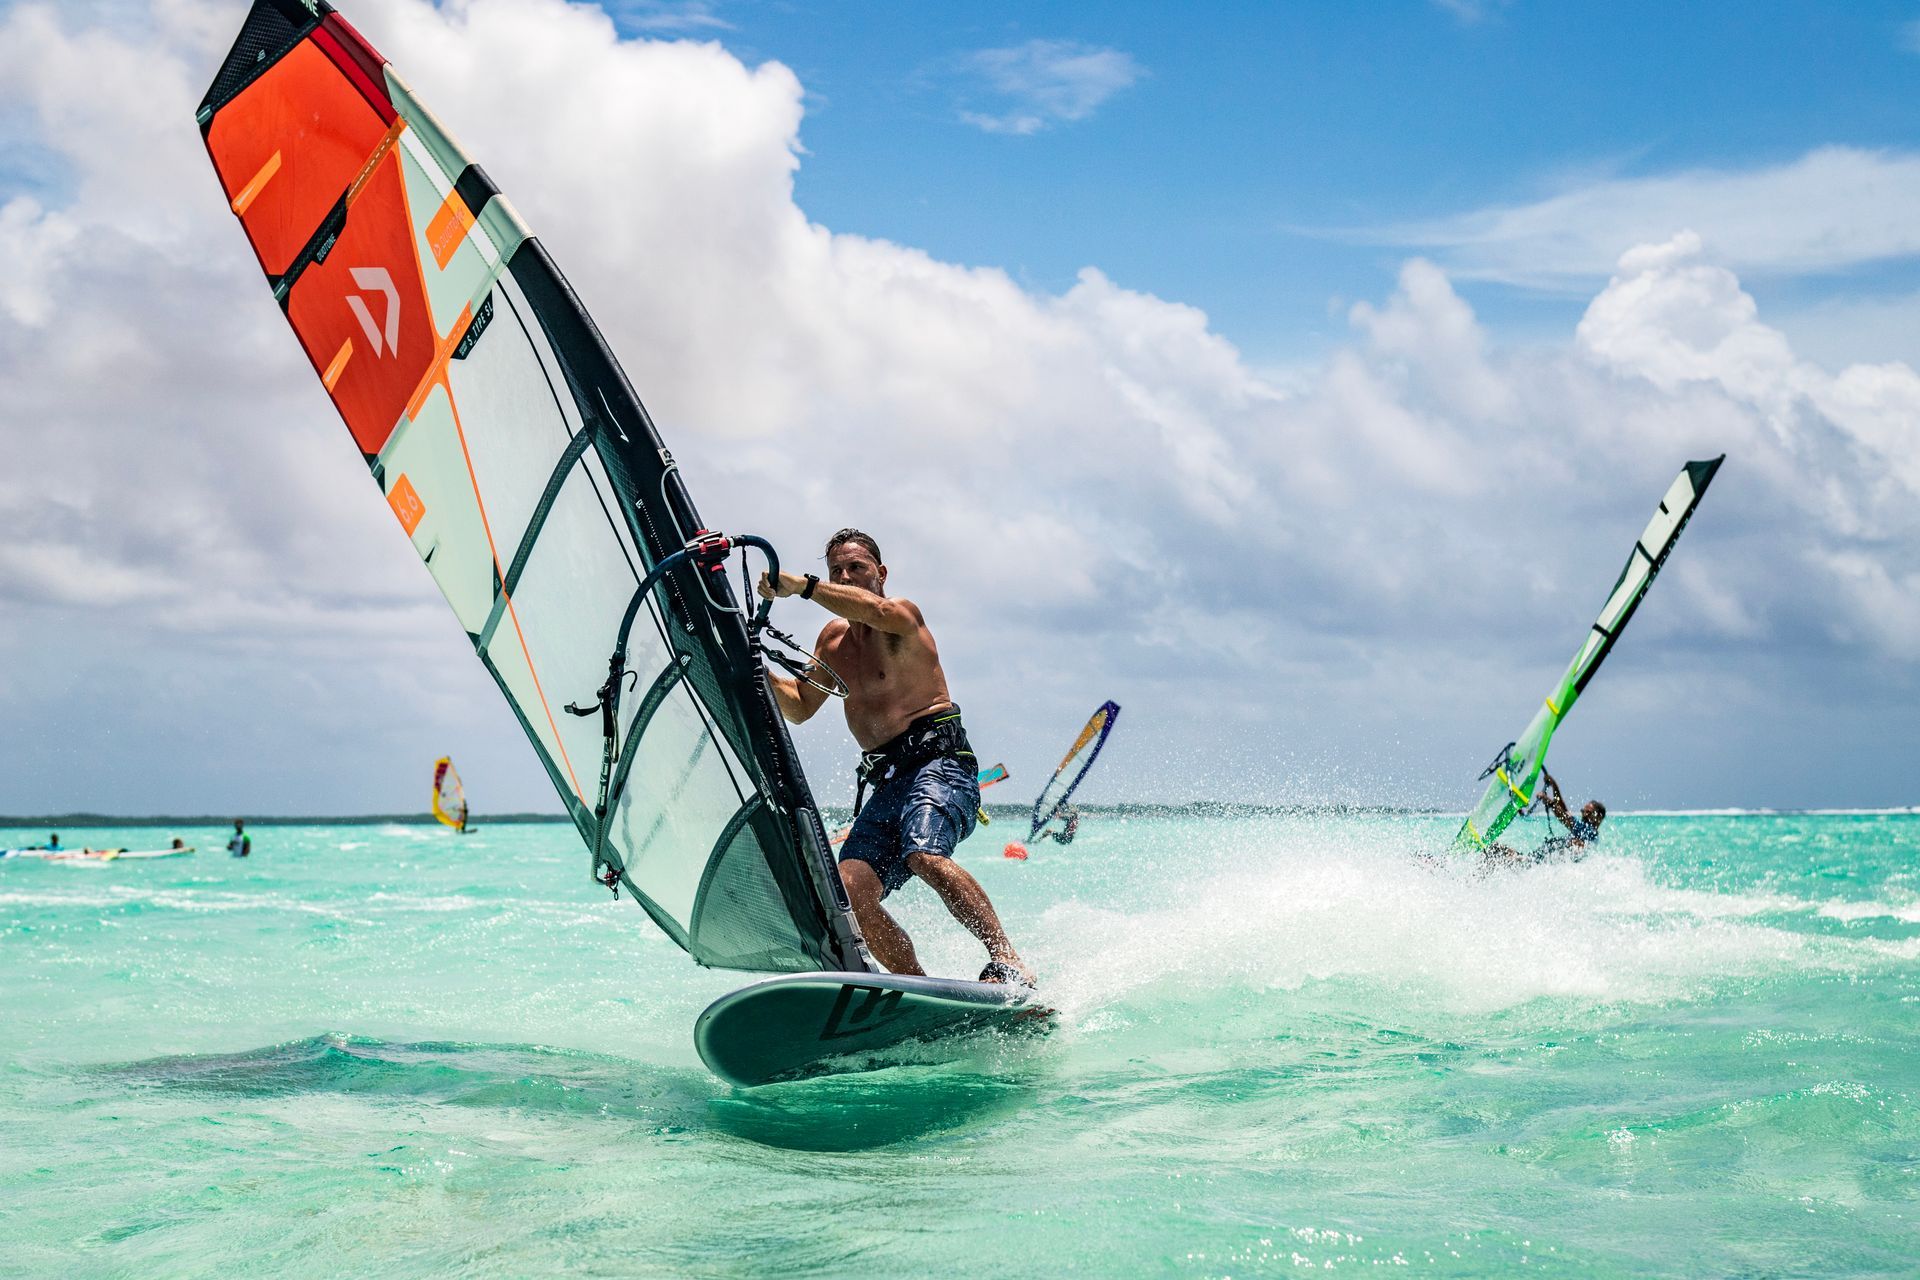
x,y
449,797
1515,770
1073,768
531,481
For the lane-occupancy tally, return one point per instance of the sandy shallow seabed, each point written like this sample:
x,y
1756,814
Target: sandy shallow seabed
x,y
1283,1044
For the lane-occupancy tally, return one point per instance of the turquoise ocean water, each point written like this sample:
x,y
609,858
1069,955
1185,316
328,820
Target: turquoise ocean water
x,y
1283,1045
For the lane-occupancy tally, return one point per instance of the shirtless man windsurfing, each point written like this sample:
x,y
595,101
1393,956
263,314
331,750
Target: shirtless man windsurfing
x,y
918,767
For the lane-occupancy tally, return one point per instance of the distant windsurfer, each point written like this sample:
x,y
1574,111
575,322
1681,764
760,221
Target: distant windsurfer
x,y
1070,820
923,774
241,845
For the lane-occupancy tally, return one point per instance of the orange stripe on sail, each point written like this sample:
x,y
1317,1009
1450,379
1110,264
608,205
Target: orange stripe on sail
x,y
380,150
251,192
436,372
558,742
338,365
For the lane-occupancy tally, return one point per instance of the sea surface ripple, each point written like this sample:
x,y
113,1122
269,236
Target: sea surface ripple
x,y
1284,1042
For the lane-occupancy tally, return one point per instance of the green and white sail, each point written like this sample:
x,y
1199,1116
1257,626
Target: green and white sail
x,y
1514,776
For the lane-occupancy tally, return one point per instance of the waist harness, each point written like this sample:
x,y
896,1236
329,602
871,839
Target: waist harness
x,y
932,736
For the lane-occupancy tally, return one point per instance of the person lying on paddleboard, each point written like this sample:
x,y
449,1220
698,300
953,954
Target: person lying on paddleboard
x,y
923,774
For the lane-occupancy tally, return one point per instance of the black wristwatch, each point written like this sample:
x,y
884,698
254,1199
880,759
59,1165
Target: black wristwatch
x,y
806,592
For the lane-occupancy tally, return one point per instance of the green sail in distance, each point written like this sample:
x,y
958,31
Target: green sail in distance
x,y
1515,779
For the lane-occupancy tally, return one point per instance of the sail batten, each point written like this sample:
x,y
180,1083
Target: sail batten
x,y
1516,769
528,478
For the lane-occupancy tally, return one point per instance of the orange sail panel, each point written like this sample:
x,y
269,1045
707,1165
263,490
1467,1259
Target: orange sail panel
x,y
369,291
304,111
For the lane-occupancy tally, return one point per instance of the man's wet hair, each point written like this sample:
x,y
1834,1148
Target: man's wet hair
x,y
1599,810
854,535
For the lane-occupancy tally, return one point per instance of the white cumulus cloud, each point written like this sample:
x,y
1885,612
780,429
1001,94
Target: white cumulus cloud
x,y
1364,571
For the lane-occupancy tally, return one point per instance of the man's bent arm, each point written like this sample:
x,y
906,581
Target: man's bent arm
x,y
791,697
798,699
895,617
1556,803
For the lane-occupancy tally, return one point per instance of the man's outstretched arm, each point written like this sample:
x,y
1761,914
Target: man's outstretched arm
x,y
895,617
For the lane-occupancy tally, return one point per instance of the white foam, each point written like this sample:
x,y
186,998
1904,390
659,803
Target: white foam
x,y
1842,909
1302,906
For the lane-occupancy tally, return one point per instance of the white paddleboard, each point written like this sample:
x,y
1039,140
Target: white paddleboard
x,y
93,856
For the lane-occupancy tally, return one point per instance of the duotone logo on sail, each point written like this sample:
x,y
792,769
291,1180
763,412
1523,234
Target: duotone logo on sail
x,y
376,280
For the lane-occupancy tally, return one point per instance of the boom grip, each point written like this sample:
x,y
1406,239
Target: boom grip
x,y
773,569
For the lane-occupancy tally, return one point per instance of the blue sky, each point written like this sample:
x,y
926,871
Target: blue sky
x,y
1296,375
1251,127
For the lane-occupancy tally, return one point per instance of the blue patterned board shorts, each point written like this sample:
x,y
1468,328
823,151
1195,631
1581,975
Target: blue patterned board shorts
x,y
925,810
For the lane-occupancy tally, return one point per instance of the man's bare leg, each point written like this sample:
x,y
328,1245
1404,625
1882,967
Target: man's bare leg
x,y
969,904
1500,853
885,938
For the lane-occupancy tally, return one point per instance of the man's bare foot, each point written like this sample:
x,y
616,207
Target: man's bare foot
x,y
1012,972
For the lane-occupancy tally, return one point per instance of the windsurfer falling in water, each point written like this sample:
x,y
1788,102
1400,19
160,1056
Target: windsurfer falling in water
x,y
1582,832
921,771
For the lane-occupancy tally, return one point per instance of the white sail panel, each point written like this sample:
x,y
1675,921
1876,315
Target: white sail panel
x,y
530,481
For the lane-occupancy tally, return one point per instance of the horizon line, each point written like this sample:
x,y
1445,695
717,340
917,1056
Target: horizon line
x,y
82,819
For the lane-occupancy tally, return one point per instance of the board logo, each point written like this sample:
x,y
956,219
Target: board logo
x,y
376,280
876,1007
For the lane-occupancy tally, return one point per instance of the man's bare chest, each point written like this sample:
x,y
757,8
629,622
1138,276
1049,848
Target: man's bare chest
x,y
867,661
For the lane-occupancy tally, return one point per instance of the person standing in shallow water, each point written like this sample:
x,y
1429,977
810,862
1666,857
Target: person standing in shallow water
x,y
923,774
241,845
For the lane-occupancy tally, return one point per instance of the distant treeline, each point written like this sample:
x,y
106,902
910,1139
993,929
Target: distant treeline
x,y
1191,809
55,821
